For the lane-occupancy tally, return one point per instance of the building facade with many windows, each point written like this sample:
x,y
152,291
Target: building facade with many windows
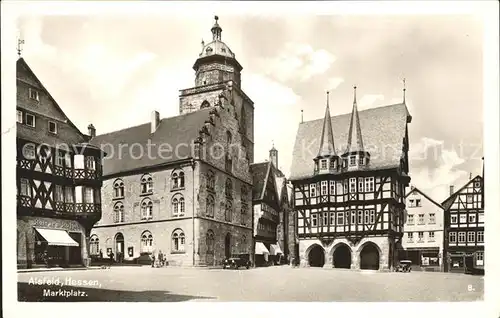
x,y
58,179
423,231
464,226
349,174
193,201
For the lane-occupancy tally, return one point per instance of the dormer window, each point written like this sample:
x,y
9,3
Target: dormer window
x,y
344,163
361,161
332,164
324,164
352,160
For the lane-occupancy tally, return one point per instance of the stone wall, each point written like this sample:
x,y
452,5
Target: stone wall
x,y
161,231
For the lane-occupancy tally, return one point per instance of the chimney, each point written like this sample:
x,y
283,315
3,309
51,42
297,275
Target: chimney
x,y
155,120
452,190
91,130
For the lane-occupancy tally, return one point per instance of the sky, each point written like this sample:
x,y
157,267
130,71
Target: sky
x,y
112,71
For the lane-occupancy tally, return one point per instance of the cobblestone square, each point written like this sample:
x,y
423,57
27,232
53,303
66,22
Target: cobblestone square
x,y
135,284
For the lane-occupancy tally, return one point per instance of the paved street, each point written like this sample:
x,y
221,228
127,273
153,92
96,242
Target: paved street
x,y
261,284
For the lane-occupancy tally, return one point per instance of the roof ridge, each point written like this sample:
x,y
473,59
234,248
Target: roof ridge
x,y
147,123
349,113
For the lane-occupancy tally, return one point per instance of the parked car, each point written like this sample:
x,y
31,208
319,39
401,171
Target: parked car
x,y
404,266
236,262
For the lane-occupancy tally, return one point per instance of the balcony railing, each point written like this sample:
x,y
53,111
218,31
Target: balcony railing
x,y
62,207
68,172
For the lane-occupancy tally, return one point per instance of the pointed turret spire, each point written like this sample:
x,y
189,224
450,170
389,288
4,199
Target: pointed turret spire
x,y
216,30
326,145
404,90
355,138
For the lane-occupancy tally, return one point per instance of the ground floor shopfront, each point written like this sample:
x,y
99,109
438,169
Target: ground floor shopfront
x,y
268,253
375,253
425,258
46,242
465,259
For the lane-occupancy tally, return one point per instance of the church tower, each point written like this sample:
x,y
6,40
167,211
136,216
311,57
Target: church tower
x,y
218,84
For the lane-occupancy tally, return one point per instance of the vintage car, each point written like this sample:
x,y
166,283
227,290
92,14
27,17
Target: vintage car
x,y
404,266
236,262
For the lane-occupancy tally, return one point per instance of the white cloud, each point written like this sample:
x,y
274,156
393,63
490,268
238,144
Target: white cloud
x,y
274,104
436,181
298,62
333,83
368,100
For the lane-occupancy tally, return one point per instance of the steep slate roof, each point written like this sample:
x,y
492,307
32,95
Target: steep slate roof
x,y
384,129
415,189
448,202
260,172
172,131
327,144
68,132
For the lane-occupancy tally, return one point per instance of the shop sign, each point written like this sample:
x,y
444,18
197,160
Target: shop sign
x,y
57,224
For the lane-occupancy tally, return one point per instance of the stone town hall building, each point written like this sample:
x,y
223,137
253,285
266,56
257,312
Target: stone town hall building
x,y
192,198
349,174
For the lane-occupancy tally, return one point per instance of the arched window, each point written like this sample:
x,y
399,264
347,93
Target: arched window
x,y
229,188
210,242
228,163
229,211
210,180
94,245
146,242
178,206
146,184
178,241
244,193
178,180
146,209
210,206
244,249
119,189
205,104
119,215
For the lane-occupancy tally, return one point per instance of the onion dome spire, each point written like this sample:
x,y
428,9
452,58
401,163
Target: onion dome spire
x,y
216,30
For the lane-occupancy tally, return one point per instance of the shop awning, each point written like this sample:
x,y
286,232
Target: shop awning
x,y
275,249
57,237
260,249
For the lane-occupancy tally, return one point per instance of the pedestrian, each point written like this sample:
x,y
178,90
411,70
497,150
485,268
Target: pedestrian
x,y
153,260
100,254
111,257
160,258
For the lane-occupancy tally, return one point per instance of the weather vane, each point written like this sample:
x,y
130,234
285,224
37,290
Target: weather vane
x,y
20,42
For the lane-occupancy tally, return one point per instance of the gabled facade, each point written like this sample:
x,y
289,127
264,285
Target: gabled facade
x,y
191,199
266,209
349,176
58,179
464,227
423,237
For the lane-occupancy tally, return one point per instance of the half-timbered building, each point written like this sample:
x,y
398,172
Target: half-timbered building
x,y
349,174
423,232
464,226
182,185
266,209
58,179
